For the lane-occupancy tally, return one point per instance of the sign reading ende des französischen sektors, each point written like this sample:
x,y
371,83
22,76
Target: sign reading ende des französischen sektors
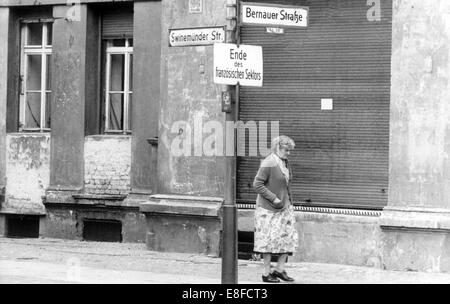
x,y
272,14
241,64
196,36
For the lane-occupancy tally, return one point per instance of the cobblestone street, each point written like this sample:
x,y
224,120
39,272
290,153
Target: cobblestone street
x,y
63,261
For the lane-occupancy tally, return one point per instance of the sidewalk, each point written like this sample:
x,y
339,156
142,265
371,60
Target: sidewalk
x,y
64,261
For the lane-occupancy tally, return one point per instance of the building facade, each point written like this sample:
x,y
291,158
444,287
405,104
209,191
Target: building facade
x,y
94,101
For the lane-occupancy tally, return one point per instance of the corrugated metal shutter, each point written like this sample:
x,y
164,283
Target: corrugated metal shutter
x,y
117,24
341,156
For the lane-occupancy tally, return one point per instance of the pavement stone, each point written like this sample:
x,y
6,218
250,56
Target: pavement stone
x,y
70,261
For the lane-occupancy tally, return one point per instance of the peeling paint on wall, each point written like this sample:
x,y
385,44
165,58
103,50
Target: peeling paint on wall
x,y
27,172
4,17
188,91
420,112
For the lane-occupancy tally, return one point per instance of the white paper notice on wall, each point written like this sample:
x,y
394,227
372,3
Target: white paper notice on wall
x,y
326,104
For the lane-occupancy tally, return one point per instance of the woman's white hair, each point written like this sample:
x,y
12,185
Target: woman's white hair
x,y
282,141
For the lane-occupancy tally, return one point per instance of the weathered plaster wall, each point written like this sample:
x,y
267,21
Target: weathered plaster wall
x,y
416,222
339,239
182,223
420,109
184,234
107,162
416,250
146,93
68,99
4,22
188,91
28,172
331,238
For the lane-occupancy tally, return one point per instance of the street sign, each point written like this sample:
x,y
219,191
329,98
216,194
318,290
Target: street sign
x,y
196,36
275,30
274,14
235,64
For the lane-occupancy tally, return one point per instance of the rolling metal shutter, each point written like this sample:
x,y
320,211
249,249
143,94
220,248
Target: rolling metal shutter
x,y
117,23
341,155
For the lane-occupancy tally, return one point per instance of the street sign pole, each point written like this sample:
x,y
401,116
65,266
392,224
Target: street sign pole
x,y
229,209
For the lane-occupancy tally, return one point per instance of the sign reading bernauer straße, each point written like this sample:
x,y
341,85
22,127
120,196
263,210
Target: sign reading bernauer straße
x,y
235,64
196,36
273,14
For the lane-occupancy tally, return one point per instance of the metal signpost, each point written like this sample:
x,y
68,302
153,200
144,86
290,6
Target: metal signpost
x,y
233,65
236,65
229,214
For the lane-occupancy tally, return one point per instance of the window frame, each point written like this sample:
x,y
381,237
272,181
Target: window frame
x,y
45,51
127,51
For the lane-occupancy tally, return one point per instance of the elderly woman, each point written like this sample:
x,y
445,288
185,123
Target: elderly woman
x,y
275,232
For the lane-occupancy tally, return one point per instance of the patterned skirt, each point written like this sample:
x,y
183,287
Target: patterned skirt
x,y
275,231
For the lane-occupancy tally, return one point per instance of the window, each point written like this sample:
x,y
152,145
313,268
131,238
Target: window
x,y
119,85
117,70
36,50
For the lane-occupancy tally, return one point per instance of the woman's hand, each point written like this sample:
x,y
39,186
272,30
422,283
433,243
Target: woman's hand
x,y
277,203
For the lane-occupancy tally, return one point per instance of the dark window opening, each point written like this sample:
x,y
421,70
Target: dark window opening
x,y
245,245
22,226
102,230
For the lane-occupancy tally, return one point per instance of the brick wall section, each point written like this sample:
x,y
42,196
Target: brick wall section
x,y
107,164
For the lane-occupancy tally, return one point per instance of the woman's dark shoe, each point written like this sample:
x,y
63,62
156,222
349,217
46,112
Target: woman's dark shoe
x,y
270,279
282,275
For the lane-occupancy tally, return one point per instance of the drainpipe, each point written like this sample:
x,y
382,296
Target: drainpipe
x,y
229,209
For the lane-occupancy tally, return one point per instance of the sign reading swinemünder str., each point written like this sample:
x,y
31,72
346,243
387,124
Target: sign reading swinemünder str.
x,y
196,36
273,14
235,64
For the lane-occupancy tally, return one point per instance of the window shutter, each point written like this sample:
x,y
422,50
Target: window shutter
x,y
117,24
341,156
